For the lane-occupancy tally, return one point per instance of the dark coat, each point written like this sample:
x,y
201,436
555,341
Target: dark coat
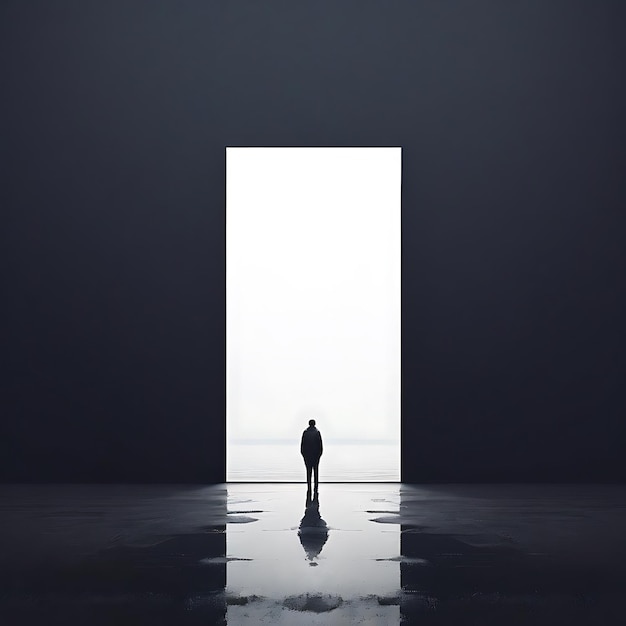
x,y
311,445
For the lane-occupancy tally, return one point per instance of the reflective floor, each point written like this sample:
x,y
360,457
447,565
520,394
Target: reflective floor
x,y
273,554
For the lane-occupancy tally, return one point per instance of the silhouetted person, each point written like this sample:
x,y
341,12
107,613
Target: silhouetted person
x,y
311,449
313,530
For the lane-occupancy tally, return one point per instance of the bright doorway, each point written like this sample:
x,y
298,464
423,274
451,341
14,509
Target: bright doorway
x,y
313,249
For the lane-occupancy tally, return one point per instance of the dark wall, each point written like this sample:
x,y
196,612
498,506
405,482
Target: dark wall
x,y
114,117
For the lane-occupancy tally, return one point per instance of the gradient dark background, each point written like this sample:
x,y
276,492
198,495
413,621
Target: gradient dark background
x,y
114,117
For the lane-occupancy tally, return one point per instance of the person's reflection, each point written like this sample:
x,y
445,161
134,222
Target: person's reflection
x,y
313,530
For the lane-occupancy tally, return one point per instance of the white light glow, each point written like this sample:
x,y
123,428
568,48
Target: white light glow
x,y
313,304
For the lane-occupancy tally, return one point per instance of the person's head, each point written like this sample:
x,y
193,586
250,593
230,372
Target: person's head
x,y
311,422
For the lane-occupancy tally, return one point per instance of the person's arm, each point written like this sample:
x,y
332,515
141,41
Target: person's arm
x,y
321,446
302,445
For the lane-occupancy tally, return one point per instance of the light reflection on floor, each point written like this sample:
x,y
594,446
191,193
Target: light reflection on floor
x,y
304,561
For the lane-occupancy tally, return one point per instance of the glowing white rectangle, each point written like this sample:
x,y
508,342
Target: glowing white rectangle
x,y
313,310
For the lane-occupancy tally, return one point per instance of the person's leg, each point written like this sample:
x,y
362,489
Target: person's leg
x,y
309,468
316,468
